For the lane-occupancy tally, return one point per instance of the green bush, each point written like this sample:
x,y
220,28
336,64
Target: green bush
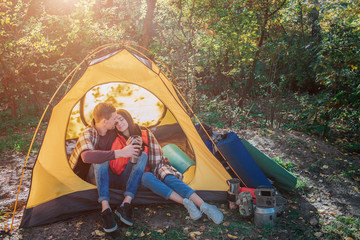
x,y
17,132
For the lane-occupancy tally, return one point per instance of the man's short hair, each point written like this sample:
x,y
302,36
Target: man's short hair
x,y
103,110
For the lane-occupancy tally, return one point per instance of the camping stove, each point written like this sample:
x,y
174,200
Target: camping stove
x,y
265,197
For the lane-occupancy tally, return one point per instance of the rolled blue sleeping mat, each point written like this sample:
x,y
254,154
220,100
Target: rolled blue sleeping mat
x,y
241,161
178,159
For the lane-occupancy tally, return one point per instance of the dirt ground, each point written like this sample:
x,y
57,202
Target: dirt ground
x,y
328,186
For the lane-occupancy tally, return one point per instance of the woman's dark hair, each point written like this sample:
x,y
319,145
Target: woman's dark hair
x,y
134,129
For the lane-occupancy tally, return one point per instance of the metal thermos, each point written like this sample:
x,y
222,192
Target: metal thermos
x,y
264,217
134,159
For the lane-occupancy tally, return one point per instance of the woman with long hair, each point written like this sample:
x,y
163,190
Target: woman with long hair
x,y
159,176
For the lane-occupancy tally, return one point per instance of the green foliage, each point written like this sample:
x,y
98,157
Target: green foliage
x,y
352,172
317,118
17,132
344,226
220,113
17,142
337,67
39,49
307,49
286,164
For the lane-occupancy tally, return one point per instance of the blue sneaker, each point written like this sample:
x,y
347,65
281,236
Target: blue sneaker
x,y
212,212
194,212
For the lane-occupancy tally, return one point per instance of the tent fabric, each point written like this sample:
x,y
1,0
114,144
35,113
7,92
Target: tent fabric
x,y
83,201
57,192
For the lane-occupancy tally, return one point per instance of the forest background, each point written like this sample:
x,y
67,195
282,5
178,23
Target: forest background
x,y
266,63
257,65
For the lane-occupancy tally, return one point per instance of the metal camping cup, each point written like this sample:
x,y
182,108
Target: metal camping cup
x,y
134,159
234,185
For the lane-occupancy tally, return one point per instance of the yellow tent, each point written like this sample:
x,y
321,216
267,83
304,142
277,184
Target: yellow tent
x,y
136,84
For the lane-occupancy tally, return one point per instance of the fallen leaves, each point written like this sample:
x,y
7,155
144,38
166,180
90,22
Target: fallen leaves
x,y
232,236
194,234
321,211
98,233
78,225
226,224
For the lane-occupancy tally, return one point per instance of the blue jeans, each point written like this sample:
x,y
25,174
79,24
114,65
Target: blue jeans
x,y
129,179
164,189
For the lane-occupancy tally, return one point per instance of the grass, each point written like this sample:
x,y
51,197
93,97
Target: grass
x,y
4,213
18,142
1,214
17,132
352,172
286,164
345,226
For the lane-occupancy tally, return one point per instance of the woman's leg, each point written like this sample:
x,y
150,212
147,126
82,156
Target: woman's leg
x,y
134,180
130,177
212,212
196,199
149,181
186,192
179,186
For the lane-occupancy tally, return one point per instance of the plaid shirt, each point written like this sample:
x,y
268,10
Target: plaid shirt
x,y
87,141
159,164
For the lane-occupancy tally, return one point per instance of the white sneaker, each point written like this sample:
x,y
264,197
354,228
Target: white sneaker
x,y
194,212
212,212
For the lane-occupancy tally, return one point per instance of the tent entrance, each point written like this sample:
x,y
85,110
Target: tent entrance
x,y
146,109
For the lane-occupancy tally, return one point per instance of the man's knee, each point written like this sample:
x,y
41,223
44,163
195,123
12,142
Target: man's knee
x,y
101,166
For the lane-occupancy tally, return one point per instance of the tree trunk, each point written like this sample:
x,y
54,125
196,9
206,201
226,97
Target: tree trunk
x,y
250,81
146,35
267,16
7,82
10,96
